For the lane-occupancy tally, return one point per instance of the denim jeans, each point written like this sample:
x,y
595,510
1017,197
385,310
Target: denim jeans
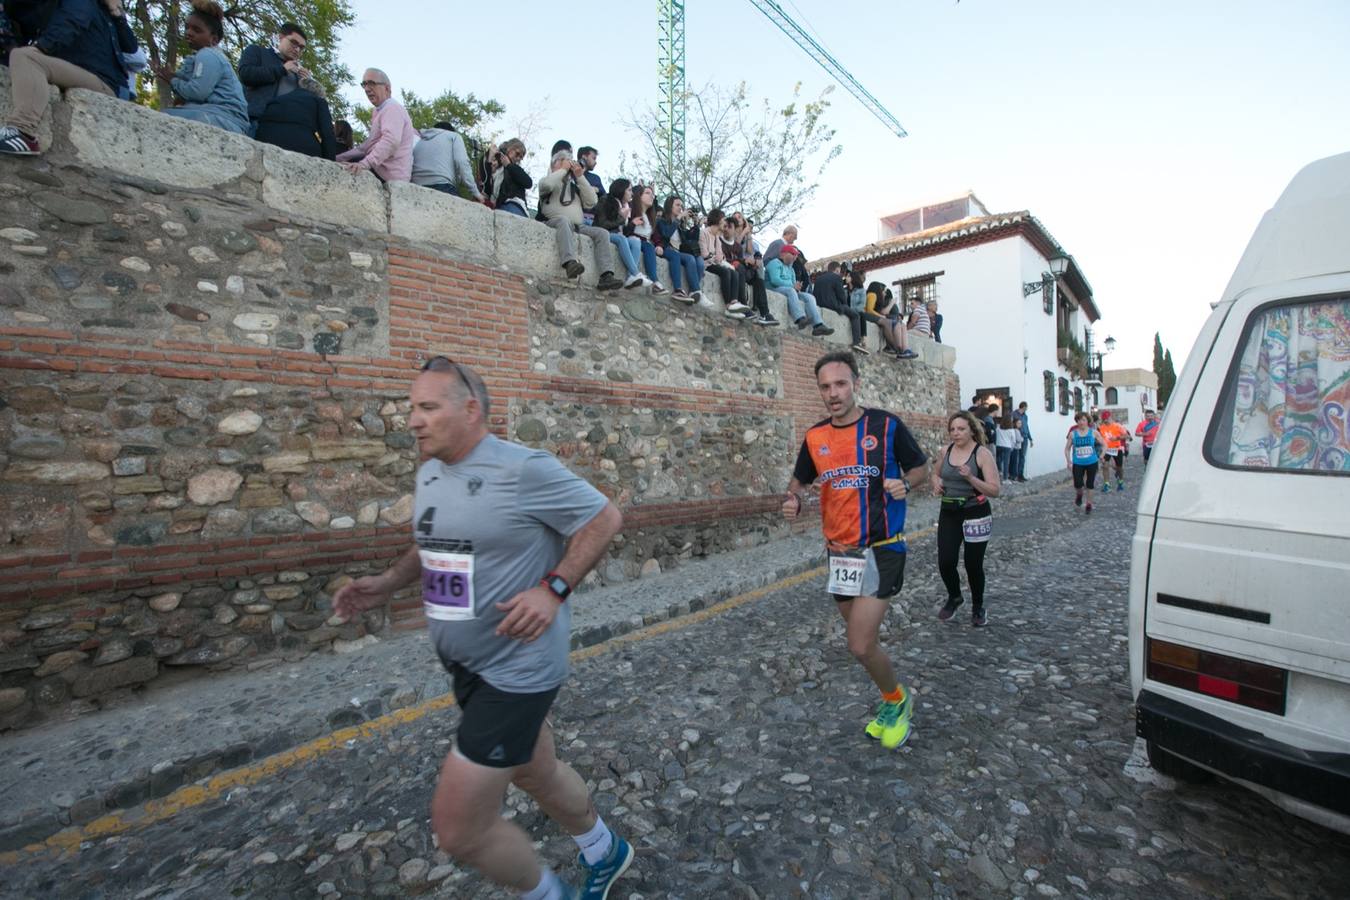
x,y
649,261
794,304
1018,463
1004,455
686,264
628,251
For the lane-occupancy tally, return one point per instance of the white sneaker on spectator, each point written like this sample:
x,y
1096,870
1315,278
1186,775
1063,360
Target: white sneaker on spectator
x,y
658,287
733,313
696,296
633,281
736,306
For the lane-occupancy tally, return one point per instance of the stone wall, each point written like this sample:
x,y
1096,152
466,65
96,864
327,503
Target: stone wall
x,y
205,351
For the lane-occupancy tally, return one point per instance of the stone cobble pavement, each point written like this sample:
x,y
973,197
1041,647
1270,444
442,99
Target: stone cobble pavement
x,y
730,752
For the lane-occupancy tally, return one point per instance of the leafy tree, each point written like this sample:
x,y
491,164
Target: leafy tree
x,y
468,114
763,160
1162,368
159,27
1167,381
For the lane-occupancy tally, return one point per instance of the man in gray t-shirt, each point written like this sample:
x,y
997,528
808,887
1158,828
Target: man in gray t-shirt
x,y
501,534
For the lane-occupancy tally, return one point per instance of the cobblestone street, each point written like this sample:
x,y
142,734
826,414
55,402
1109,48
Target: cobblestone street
x,y
730,752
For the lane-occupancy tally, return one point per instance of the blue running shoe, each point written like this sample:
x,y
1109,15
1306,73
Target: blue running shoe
x,y
601,876
1106,488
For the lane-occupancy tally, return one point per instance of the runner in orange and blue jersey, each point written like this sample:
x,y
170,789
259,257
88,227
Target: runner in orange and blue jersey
x,y
865,460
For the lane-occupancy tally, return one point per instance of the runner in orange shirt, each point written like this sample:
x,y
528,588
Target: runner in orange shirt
x,y
1114,438
865,461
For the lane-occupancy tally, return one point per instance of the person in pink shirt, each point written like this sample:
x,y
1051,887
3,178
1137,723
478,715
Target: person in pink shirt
x,y
388,150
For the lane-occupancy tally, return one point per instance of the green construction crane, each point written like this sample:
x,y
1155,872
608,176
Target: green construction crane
x,y
670,41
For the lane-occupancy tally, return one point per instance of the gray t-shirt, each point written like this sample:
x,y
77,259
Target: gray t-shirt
x,y
507,510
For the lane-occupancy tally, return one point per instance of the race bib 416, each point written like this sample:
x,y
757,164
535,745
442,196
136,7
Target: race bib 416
x,y
447,585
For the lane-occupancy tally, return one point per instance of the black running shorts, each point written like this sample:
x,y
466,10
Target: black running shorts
x,y
884,577
1083,474
498,729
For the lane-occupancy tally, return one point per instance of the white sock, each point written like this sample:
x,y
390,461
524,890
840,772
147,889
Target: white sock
x,y
595,843
548,888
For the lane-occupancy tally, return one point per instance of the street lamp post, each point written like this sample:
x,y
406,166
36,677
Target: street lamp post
x,y
1058,265
1095,359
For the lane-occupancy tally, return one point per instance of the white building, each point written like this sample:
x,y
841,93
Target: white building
x,y
1128,392
1014,302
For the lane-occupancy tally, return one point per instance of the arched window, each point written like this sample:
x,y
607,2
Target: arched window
x,y
1112,396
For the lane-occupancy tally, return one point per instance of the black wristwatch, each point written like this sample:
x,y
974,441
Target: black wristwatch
x,y
557,584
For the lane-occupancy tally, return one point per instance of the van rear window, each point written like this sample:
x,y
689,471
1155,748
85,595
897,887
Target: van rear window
x,y
1286,404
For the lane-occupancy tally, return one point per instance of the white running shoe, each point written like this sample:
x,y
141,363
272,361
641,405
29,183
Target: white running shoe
x,y
658,287
633,281
736,306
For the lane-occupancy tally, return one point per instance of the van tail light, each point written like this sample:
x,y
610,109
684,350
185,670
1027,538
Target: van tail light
x,y
1236,680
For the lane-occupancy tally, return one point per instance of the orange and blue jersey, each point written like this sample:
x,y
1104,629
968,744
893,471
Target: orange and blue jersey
x,y
852,463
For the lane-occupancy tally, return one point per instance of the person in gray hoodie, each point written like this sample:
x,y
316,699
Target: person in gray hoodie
x,y
441,162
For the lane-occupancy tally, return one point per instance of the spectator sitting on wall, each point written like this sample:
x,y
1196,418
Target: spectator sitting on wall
x,y
789,237
686,264
611,213
879,306
641,224
387,152
268,73
830,293
715,261
81,46
779,276
205,83
342,130
751,263
934,318
587,156
441,162
510,182
921,323
562,193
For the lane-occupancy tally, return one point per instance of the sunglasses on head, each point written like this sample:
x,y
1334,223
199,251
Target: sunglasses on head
x,y
446,364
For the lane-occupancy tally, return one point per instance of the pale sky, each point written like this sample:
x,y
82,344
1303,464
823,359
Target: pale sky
x,y
1149,137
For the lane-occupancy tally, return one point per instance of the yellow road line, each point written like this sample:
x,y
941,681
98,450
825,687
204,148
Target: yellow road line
x,y
67,841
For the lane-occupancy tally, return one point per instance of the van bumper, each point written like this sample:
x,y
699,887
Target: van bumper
x,y
1319,778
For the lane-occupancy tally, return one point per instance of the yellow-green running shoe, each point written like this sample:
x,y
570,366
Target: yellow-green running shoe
x,y
891,725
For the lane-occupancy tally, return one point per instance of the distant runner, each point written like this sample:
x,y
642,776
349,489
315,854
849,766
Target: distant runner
x,y
865,460
1081,456
1147,431
502,533
1114,438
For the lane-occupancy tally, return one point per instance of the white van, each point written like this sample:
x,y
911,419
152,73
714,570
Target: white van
x,y
1240,567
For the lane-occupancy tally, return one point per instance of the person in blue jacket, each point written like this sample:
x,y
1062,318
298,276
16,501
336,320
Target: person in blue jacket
x,y
81,46
206,81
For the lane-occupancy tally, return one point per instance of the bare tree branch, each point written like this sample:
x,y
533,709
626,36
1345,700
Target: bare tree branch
x,y
767,164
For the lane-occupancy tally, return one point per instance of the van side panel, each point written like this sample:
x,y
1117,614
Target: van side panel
x,y
1255,544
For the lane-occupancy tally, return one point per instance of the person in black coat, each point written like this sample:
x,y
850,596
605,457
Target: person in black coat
x,y
299,121
267,73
